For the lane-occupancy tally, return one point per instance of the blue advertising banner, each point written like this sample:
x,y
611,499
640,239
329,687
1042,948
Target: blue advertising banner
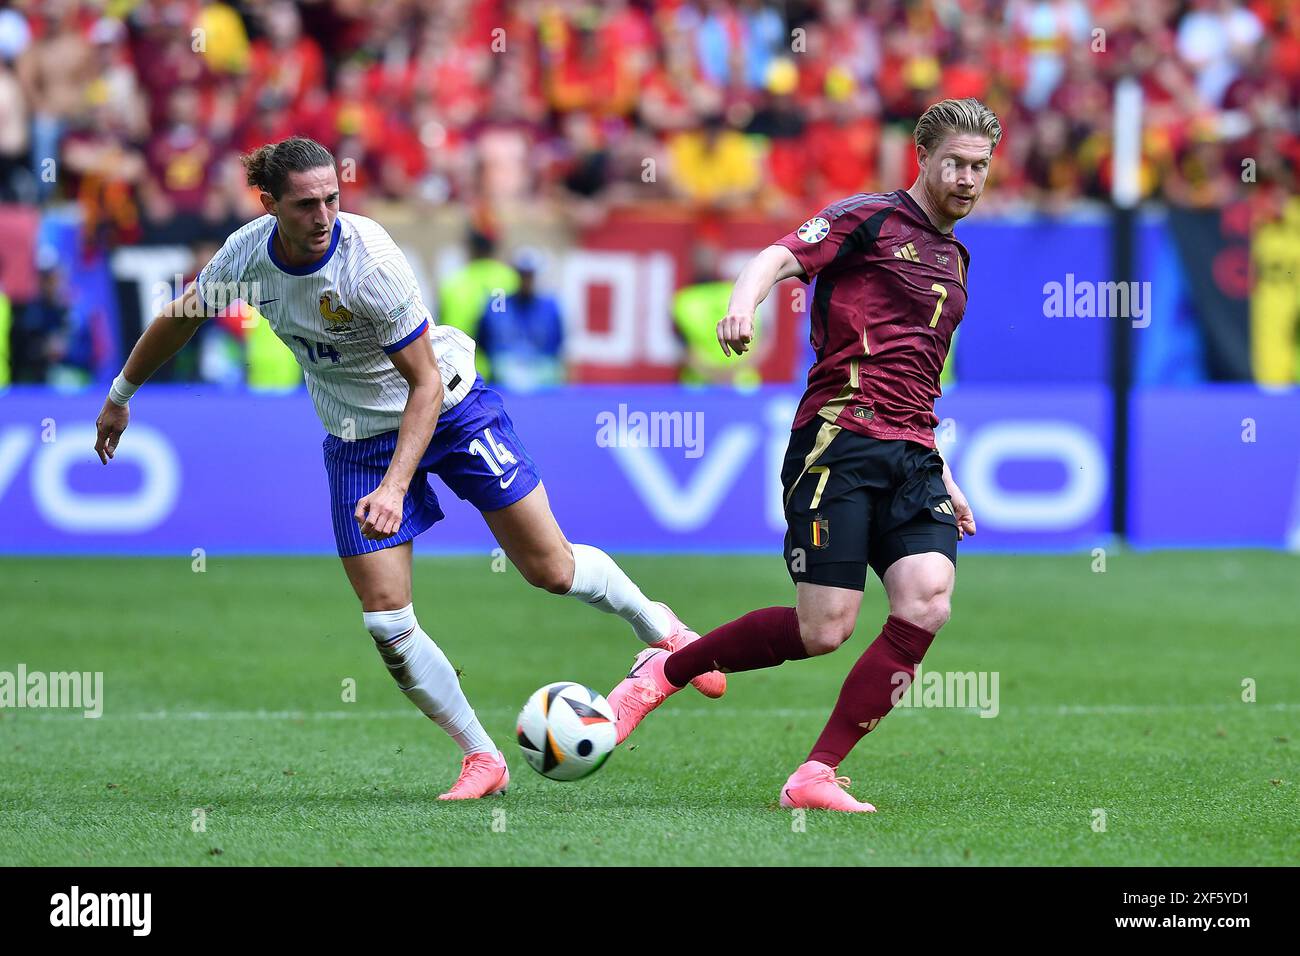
x,y
1005,335
1216,466
1030,280
1034,464
653,468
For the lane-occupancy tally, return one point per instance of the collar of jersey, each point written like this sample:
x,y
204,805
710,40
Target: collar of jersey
x,y
310,267
923,215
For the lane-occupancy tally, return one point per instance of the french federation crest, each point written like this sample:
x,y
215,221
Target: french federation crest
x,y
338,320
814,230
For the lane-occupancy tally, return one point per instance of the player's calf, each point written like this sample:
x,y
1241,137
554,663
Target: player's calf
x,y
871,689
426,677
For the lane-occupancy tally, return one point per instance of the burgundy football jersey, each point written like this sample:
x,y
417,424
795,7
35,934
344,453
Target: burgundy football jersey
x,y
890,291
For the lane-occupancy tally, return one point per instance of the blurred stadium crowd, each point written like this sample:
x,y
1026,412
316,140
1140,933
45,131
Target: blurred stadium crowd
x,y
137,111
502,102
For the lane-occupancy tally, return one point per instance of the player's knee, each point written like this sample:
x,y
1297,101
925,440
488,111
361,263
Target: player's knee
x,y
928,610
553,576
386,600
936,612
825,634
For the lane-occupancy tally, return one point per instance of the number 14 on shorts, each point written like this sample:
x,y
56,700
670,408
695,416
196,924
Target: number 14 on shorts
x,y
496,455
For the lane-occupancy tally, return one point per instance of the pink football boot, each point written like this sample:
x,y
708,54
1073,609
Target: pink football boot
x,y
714,683
814,786
481,775
644,689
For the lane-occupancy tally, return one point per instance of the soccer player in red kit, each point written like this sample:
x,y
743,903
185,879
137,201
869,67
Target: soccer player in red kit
x,y
863,483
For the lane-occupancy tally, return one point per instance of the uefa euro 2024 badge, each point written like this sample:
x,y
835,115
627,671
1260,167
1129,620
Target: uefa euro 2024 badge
x,y
814,230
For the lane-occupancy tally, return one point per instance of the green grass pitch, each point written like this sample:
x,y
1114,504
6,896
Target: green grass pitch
x,y
223,692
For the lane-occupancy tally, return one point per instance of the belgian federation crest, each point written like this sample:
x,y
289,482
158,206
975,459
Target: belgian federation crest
x,y
814,230
338,320
821,532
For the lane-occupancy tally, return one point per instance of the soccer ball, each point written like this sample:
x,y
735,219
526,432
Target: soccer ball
x,y
566,731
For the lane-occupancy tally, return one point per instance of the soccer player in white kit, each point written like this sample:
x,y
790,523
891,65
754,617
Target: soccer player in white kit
x,y
400,400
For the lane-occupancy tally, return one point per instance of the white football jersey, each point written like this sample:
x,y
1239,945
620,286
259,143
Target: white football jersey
x,y
342,317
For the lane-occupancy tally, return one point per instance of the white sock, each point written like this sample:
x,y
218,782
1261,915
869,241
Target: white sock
x,y
424,674
598,581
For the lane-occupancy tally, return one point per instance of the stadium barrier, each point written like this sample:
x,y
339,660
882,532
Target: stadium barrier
x,y
650,468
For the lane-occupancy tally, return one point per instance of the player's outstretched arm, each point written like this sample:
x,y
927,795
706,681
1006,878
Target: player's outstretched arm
x,y
761,273
380,513
166,335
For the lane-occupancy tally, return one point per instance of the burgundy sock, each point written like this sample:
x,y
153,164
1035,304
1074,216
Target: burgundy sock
x,y
761,638
869,691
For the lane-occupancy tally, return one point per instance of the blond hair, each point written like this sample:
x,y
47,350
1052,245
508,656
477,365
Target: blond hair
x,y
946,117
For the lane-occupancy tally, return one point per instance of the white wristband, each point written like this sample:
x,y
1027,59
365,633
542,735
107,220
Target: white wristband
x,y
121,391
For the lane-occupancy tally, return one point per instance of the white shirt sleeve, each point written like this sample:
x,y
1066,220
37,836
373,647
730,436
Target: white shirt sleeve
x,y
217,281
390,298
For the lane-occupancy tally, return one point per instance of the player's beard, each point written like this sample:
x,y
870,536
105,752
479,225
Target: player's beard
x,y
959,210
